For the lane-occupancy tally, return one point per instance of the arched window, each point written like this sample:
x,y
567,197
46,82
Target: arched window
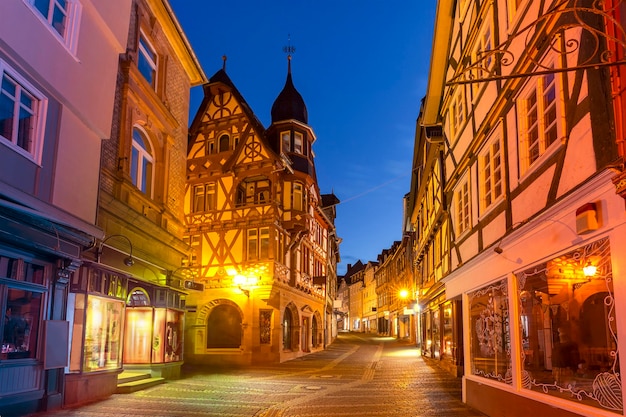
x,y
224,327
224,143
141,162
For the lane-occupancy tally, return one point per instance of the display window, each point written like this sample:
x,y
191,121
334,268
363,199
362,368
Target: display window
x,y
569,328
21,296
490,349
448,342
103,325
138,335
167,342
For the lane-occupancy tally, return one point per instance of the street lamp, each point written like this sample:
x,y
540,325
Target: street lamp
x,y
128,261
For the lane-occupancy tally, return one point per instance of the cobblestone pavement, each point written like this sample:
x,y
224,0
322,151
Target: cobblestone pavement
x,y
356,376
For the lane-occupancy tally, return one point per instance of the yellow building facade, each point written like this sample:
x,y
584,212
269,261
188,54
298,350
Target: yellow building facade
x,y
263,245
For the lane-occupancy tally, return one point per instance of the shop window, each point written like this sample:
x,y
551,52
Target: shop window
x,y
448,340
21,323
569,328
102,332
490,350
138,335
224,327
167,339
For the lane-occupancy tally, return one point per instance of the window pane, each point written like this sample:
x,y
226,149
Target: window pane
x,y
490,352
58,20
134,166
21,324
43,6
6,116
24,130
569,328
146,61
265,243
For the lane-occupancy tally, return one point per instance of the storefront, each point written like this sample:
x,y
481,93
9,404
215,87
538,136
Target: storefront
x,y
38,255
542,320
120,323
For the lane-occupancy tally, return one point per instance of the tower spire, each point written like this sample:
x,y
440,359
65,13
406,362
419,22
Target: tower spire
x,y
224,58
289,50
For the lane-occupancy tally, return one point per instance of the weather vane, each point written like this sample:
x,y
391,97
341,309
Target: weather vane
x,y
289,49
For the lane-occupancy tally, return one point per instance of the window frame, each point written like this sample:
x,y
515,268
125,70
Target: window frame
x,y
457,118
298,143
536,87
482,44
491,174
73,13
203,197
463,206
258,242
40,107
139,180
144,49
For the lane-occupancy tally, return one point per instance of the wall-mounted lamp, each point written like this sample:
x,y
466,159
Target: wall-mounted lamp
x,y
128,261
590,270
240,281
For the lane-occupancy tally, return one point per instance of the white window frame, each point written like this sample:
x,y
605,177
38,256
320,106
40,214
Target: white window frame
x,y
525,106
145,48
463,206
258,244
40,107
458,112
491,174
143,155
73,13
484,43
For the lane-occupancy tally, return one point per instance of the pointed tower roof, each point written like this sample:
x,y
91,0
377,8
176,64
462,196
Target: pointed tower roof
x,y
289,103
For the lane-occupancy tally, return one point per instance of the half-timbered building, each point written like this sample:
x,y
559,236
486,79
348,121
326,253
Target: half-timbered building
x,y
519,102
256,222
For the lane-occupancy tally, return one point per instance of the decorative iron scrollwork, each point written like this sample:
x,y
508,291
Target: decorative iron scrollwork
x,y
562,29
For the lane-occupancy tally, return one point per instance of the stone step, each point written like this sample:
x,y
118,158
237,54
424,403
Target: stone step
x,y
130,376
138,384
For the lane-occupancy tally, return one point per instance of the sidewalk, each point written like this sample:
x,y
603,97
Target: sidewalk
x,y
358,375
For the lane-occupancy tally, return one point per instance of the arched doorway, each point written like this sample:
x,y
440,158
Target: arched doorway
x,y
224,327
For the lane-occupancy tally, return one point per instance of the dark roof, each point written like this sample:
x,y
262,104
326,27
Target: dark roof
x,y
289,103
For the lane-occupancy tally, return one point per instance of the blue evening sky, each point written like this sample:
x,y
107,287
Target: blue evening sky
x,y
361,68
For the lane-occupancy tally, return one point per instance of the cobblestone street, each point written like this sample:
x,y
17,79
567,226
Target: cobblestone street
x,y
358,375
